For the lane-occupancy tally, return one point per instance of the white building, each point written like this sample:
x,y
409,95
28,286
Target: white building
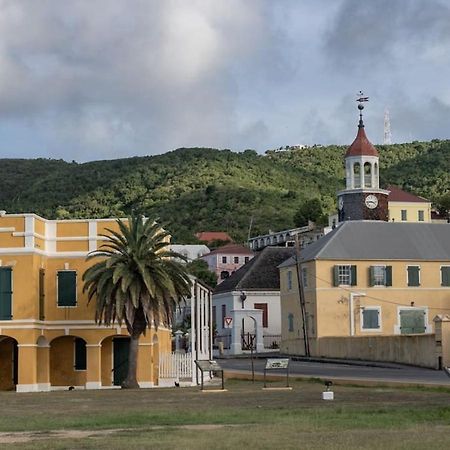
x,y
251,299
190,251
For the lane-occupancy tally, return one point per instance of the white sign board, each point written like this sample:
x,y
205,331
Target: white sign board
x,y
277,363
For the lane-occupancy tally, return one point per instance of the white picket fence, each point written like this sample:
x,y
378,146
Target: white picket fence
x,y
175,365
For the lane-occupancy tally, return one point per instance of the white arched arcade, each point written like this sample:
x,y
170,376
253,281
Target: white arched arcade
x,y
362,172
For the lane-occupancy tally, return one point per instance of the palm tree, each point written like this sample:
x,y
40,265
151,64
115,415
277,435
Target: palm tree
x,y
137,282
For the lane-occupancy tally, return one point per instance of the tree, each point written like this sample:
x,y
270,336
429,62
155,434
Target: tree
x,y
310,210
200,270
444,203
137,282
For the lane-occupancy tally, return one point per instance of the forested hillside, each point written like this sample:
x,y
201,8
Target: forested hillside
x,y
193,189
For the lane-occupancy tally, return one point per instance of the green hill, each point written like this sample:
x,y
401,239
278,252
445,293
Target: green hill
x,y
193,189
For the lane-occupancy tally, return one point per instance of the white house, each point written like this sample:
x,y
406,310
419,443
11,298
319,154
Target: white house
x,y
190,251
246,306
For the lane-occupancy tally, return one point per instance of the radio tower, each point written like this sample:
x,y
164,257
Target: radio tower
x,y
387,140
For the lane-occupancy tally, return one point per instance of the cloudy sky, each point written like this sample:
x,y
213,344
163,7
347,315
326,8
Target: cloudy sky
x,y
101,79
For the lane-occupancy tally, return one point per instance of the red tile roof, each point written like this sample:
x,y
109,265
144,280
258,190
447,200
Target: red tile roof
x,y
209,236
397,195
361,145
231,249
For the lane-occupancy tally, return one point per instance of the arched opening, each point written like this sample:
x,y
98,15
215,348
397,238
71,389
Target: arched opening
x,y
114,359
8,363
68,361
155,360
356,175
375,175
367,175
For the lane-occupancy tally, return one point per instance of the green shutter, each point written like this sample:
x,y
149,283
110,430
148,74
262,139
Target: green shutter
x,y
388,274
67,288
371,319
413,276
80,354
353,278
5,293
412,321
371,276
445,276
336,276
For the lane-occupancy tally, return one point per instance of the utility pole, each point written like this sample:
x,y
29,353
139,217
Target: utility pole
x,y
301,296
387,139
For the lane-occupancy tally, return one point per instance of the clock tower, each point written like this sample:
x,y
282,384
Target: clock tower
x,y
362,198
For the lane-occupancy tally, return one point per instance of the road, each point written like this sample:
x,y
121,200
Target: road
x,y
337,371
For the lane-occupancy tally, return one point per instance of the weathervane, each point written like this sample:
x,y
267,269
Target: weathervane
x,y
361,99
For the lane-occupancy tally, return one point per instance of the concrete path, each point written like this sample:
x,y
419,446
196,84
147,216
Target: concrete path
x,y
349,373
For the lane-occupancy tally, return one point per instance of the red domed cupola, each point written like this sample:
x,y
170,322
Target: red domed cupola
x,y
361,146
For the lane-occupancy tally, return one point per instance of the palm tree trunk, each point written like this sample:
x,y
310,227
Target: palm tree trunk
x,y
135,330
130,381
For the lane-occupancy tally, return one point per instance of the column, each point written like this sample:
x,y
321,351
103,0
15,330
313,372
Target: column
x,y
27,368
94,366
43,367
144,365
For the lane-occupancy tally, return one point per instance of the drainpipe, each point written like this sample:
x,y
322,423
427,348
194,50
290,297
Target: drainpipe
x,y
351,311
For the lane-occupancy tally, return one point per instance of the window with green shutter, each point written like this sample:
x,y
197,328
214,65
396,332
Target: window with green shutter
x,y
380,275
67,288
412,321
80,354
5,293
344,275
413,275
370,318
445,276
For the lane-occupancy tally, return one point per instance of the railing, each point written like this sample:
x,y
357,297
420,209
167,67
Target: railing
x,y
175,365
272,341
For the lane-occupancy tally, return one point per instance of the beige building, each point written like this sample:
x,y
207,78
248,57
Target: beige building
x,y
406,207
367,280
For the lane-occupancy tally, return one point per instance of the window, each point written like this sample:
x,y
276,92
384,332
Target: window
x,y
80,354
344,275
265,317
289,280
5,293
214,318
290,322
236,259
445,276
305,277
247,259
413,275
224,314
370,318
224,259
412,321
380,276
404,215
421,215
67,288
224,274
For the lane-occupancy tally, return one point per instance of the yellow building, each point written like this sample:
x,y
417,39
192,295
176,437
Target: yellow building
x,y
406,207
48,337
367,284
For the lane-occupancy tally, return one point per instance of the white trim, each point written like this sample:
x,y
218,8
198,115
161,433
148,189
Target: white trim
x,y
146,384
29,232
361,319
34,387
93,385
93,238
7,229
27,345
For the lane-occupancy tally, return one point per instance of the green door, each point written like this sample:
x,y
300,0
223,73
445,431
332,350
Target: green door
x,y
5,293
412,321
121,348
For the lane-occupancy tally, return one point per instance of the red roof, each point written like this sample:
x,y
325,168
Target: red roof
x,y
209,236
397,195
231,249
361,145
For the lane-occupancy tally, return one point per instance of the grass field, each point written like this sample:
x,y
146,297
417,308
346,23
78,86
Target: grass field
x,y
244,417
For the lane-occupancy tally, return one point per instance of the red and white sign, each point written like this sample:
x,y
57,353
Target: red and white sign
x,y
228,321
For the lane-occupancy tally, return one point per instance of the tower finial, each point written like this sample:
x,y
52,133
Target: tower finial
x,y
361,99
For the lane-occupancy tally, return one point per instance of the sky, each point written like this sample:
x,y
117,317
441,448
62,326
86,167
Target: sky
x,y
101,79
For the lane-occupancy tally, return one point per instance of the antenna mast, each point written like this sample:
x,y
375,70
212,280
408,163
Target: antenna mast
x,y
387,140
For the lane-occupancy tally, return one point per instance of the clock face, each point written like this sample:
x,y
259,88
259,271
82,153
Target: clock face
x,y
371,201
340,203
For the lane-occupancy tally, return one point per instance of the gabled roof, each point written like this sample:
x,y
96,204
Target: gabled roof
x,y
260,273
398,195
378,240
361,145
208,236
232,249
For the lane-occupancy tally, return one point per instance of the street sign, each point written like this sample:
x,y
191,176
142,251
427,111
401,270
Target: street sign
x,y
228,321
277,363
